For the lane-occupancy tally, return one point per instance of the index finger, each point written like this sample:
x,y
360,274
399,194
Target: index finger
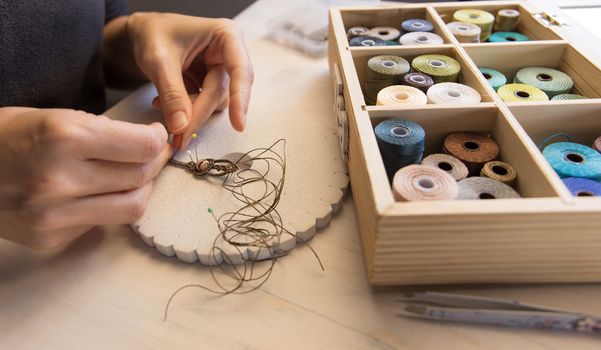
x,y
238,66
120,141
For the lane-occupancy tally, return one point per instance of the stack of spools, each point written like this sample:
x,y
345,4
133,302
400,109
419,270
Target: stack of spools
x,y
473,26
391,80
579,166
410,32
442,176
532,84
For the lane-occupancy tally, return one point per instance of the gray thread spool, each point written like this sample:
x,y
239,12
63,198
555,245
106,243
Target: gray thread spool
x,y
383,71
354,32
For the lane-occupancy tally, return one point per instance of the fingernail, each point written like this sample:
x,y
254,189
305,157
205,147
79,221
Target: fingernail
x,y
178,121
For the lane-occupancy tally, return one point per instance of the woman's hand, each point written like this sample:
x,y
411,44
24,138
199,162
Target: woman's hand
x,y
182,55
64,172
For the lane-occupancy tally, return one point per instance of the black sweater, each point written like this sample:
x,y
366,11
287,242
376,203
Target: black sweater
x,y
50,52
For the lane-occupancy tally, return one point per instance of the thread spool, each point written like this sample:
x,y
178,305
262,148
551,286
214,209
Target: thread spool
x,y
494,78
440,67
383,71
507,37
367,41
570,159
472,149
551,81
521,93
582,187
421,38
401,143
391,43
565,97
384,33
507,20
356,31
401,95
597,144
418,183
419,81
448,164
417,25
499,171
478,187
465,32
482,19
453,93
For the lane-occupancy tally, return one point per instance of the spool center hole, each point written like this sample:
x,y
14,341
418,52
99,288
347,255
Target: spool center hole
x,y
388,63
426,183
474,15
417,79
400,131
445,166
575,158
485,195
499,170
383,32
454,93
463,29
510,38
544,77
422,38
402,96
368,42
437,63
417,24
522,94
584,194
472,146
487,76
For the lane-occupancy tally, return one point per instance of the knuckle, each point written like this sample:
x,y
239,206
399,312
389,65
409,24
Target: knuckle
x,y
137,207
57,132
227,23
171,94
153,57
152,145
141,177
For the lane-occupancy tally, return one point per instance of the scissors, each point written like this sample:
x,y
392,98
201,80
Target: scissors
x,y
497,312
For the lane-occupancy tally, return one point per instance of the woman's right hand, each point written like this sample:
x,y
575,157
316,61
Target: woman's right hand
x,y
63,172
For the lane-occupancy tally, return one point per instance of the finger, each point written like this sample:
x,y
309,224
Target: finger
x,y
106,209
239,68
122,142
156,101
213,91
166,75
100,176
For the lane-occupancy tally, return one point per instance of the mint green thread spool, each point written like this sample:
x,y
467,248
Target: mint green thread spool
x,y
494,78
567,97
551,81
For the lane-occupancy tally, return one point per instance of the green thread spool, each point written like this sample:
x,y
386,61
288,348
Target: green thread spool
x,y
482,19
507,20
521,93
442,69
494,78
383,71
551,81
566,97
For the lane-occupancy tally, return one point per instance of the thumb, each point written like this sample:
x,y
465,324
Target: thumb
x,y
175,102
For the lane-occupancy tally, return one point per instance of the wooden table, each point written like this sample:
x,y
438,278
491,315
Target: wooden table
x,y
108,290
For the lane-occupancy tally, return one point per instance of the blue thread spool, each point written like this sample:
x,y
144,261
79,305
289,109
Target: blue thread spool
x,y
570,159
401,143
582,187
495,78
507,37
417,25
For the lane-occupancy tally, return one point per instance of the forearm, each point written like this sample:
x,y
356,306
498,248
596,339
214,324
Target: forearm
x,y
120,68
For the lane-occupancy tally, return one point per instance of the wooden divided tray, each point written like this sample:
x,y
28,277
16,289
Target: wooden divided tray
x,y
548,235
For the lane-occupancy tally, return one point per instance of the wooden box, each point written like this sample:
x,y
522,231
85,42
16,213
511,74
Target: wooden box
x,y
546,236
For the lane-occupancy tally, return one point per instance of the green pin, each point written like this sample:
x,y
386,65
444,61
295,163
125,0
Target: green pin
x,y
210,210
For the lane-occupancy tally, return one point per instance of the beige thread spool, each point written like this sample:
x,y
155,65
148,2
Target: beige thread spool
x,y
419,182
479,187
447,163
383,71
401,95
507,20
465,32
499,171
354,32
453,93
384,33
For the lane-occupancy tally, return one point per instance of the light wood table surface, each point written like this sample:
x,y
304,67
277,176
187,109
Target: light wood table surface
x,y
107,290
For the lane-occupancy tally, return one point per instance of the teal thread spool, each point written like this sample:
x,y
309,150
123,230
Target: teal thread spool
x,y
551,81
401,143
494,78
570,159
507,37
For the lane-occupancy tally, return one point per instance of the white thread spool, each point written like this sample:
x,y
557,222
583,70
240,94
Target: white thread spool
x,y
453,93
418,182
421,38
401,95
447,163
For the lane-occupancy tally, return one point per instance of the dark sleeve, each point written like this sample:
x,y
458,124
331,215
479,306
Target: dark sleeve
x,y
114,9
